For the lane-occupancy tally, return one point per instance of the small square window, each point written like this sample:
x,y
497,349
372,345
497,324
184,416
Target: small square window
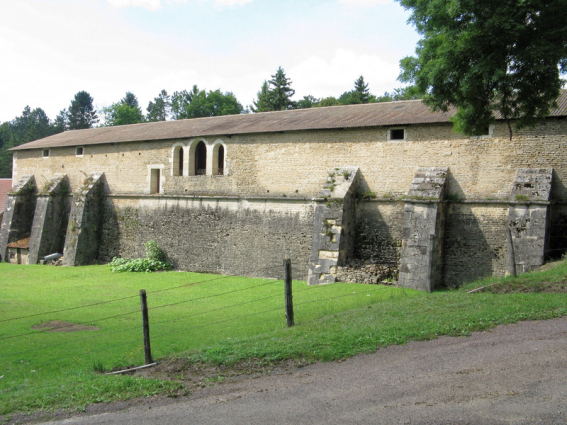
x,y
46,153
397,134
79,151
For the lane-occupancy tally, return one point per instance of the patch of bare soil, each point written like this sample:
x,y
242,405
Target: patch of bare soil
x,y
62,326
199,375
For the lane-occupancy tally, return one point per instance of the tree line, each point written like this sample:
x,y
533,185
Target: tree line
x,y
275,95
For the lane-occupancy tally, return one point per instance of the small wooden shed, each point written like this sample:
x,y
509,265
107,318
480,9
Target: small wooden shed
x,y
18,251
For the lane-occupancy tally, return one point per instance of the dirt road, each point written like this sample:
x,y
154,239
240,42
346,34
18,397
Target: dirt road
x,y
514,374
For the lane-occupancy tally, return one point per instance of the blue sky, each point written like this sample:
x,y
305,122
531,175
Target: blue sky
x,y
52,49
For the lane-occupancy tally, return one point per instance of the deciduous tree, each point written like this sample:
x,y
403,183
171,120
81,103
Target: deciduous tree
x,y
487,57
127,111
199,103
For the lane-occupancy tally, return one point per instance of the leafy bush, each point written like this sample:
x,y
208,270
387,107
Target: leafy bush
x,y
154,261
154,251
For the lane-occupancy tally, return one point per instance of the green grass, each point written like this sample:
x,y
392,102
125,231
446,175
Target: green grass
x,y
218,320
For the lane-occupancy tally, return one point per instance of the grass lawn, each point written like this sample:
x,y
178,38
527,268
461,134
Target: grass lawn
x,y
220,320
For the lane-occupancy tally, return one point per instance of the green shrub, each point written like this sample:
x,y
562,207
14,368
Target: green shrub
x,y
138,265
154,251
154,261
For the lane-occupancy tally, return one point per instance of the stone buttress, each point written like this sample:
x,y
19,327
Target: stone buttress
x,y
84,228
333,225
50,219
422,238
528,219
18,215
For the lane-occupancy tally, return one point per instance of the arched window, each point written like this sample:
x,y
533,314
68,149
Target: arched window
x,y
201,159
178,161
219,159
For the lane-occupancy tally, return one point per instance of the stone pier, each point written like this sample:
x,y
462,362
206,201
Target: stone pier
x,y
84,227
50,219
18,215
424,223
333,226
528,219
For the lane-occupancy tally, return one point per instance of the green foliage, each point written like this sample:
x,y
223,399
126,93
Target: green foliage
x,y
328,101
366,194
154,251
307,102
522,198
140,265
263,104
131,100
127,111
31,125
154,261
160,108
402,93
81,113
276,95
122,114
360,94
489,57
199,103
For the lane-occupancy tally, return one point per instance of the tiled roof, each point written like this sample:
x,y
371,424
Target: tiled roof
x,y
332,117
5,187
22,243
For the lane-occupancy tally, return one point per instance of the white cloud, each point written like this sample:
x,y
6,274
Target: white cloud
x,y
146,4
322,78
364,3
157,4
230,3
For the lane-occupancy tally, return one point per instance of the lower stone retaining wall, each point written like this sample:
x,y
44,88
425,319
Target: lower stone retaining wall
x,y
216,235
475,242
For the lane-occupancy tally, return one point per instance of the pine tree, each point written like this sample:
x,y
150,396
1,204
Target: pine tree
x,y
81,112
360,93
281,91
131,100
263,104
160,108
275,94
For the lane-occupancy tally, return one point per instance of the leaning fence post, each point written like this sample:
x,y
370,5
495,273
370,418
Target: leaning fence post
x,y
146,326
288,295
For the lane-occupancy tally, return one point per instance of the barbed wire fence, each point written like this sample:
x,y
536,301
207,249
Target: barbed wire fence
x,y
153,325
161,326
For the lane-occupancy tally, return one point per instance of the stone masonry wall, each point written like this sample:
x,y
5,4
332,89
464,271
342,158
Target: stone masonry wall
x,y
267,165
475,242
227,236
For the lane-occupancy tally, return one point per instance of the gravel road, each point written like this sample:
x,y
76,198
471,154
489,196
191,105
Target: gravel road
x,y
514,374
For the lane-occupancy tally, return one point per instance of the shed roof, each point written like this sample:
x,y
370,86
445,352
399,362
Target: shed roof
x,y
5,187
22,243
332,117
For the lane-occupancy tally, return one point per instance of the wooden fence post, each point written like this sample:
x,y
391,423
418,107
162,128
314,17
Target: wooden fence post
x,y
288,294
146,327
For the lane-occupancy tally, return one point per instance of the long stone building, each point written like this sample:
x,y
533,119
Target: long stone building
x,y
357,193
